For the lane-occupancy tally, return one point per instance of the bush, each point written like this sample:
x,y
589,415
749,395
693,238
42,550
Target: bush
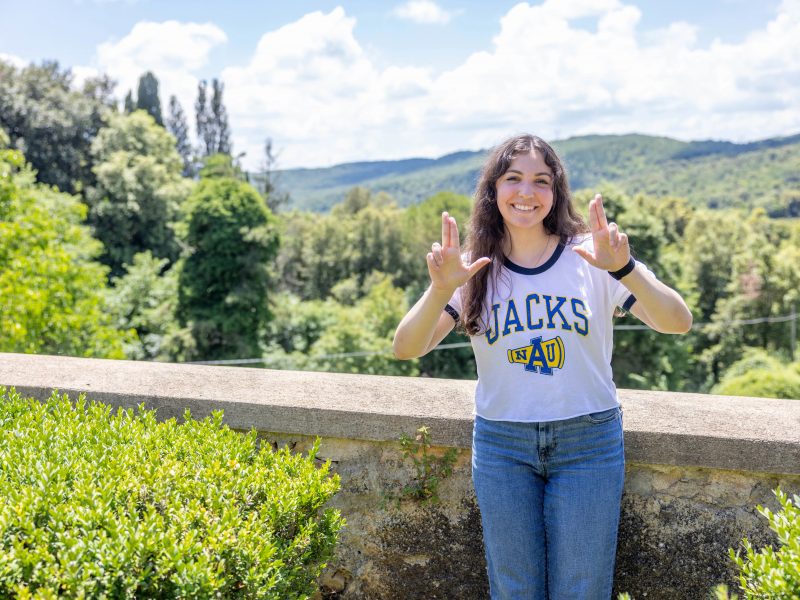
x,y
96,504
770,573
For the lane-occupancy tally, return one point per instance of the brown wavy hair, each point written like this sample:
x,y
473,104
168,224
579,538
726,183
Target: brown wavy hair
x,y
487,231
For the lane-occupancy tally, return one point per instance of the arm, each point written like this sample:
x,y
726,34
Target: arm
x,y
426,324
657,305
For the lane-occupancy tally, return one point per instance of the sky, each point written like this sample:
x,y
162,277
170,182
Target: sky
x,y
335,82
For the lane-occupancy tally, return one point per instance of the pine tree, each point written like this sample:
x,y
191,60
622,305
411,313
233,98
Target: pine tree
x,y
178,127
147,97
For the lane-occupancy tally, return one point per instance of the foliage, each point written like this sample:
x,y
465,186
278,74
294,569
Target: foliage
x,y
144,299
329,336
363,234
52,123
51,289
224,281
97,504
781,382
430,468
139,190
215,166
147,98
771,573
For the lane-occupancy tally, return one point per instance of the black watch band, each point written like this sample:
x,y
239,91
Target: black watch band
x,y
624,270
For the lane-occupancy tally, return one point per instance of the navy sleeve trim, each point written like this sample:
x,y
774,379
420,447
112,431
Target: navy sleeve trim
x,y
452,312
629,302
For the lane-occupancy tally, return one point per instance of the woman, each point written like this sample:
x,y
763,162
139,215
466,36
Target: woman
x,y
536,291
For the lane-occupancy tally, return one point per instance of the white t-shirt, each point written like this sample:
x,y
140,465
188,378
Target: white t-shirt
x,y
546,354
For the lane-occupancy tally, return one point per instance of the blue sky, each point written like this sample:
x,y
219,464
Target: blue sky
x,y
332,82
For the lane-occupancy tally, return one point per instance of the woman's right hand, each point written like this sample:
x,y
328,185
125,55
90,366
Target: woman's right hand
x,y
445,264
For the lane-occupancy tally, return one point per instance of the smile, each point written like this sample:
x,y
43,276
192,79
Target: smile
x,y
523,207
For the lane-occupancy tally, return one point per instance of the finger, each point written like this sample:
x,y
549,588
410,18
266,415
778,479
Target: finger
x,y
613,235
478,265
593,224
585,255
436,250
432,266
445,230
454,233
601,213
623,241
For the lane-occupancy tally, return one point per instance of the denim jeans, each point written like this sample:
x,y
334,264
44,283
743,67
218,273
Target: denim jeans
x,y
549,495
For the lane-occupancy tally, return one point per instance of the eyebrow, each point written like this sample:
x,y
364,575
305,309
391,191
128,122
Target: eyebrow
x,y
537,174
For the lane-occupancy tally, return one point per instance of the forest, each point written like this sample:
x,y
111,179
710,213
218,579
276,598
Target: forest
x,y
119,238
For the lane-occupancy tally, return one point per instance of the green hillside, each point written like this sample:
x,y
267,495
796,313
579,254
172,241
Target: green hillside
x,y
708,173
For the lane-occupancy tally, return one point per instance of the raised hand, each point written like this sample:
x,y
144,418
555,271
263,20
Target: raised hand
x,y
447,269
611,249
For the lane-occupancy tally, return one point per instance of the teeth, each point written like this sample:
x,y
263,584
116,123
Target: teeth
x,y
522,207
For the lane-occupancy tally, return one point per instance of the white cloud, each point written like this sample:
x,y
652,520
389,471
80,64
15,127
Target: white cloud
x,y
16,61
422,11
173,51
555,69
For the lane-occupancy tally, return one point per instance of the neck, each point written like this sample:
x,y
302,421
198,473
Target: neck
x,y
531,249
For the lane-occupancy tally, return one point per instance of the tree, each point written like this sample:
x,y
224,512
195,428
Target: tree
x,y
52,292
147,97
51,123
268,180
139,190
129,105
225,280
179,128
220,119
212,120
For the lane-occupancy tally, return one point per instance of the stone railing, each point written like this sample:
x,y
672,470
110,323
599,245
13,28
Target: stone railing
x,y
697,467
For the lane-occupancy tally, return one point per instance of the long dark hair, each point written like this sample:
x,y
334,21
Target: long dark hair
x,y
486,228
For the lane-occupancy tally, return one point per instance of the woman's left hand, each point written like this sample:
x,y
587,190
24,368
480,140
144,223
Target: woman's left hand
x,y
611,249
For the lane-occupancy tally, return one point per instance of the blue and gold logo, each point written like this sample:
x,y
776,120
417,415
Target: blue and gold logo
x,y
539,357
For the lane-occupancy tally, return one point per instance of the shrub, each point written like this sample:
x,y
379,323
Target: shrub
x,y
102,504
770,573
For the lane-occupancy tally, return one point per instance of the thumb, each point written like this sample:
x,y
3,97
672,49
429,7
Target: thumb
x,y
478,265
585,255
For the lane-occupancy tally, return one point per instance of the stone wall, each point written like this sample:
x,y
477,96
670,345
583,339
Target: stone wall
x,y
697,467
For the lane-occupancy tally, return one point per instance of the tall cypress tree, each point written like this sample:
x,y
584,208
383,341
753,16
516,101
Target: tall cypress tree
x,y
205,130
220,118
177,126
213,131
147,97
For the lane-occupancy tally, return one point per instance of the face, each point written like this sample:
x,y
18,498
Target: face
x,y
525,193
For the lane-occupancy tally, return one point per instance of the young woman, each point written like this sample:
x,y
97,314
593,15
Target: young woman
x,y
536,291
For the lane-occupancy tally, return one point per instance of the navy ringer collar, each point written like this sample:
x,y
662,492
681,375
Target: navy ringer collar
x,y
535,270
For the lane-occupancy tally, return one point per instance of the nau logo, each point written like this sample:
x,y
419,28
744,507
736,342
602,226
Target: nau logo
x,y
539,357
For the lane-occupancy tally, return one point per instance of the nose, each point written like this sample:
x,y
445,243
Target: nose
x,y
526,191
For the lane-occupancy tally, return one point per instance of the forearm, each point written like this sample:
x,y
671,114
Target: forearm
x,y
416,330
658,305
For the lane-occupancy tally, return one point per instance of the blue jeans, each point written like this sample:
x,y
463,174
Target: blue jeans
x,y
549,495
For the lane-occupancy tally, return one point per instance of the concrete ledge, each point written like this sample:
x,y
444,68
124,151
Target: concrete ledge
x,y
722,432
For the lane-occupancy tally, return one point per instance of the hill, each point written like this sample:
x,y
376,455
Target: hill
x,y
711,173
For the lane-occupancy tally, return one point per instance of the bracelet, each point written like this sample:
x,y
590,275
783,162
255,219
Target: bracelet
x,y
624,270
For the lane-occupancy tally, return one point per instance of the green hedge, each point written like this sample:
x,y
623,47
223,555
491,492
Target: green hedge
x,y
102,504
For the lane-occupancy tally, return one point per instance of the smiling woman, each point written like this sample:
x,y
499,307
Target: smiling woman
x,y
536,290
